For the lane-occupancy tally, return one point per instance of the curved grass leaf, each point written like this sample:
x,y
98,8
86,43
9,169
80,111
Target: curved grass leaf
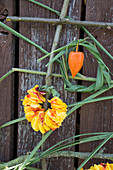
x,y
104,89
73,88
96,42
107,77
89,89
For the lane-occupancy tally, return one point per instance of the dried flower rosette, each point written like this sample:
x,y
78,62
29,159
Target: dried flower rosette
x,y
40,119
101,166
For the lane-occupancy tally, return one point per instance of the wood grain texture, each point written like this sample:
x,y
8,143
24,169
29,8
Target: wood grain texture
x,y
43,35
6,86
98,117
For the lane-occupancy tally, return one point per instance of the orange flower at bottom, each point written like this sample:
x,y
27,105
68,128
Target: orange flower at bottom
x,y
101,166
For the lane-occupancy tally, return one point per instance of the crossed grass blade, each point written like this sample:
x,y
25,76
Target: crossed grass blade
x,y
35,149
57,148
95,150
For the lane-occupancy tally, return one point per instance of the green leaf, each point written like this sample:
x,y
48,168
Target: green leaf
x,y
85,89
56,57
90,47
68,83
100,79
95,151
73,88
107,77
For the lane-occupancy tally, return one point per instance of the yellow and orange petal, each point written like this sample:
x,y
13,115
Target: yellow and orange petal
x,y
37,122
29,108
36,95
28,101
30,115
54,118
57,103
30,112
34,123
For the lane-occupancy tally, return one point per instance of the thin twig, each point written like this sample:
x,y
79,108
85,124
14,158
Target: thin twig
x,y
83,78
53,21
80,155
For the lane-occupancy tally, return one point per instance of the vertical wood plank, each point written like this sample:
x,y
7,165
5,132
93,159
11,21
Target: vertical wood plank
x,y
43,35
98,117
6,86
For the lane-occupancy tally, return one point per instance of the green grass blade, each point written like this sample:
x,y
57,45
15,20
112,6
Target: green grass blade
x,y
96,42
104,89
31,168
107,77
54,149
70,144
91,101
95,150
81,135
71,44
56,57
22,37
12,122
5,75
35,149
45,6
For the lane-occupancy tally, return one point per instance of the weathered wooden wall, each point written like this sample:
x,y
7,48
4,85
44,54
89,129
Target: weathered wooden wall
x,y
93,117
43,35
98,117
7,57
